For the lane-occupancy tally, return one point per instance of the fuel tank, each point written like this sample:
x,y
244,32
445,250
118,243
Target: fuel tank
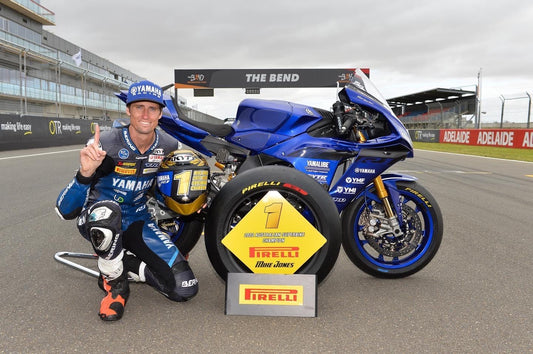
x,y
262,123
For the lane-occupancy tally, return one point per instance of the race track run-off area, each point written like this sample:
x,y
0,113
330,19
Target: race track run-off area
x,y
475,296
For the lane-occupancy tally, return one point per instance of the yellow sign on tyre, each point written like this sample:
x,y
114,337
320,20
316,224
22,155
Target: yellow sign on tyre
x,y
274,237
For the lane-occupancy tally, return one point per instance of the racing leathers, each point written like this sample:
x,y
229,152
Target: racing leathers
x,y
112,214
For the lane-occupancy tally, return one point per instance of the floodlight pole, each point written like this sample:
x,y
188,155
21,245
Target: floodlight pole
x,y
478,100
528,110
503,106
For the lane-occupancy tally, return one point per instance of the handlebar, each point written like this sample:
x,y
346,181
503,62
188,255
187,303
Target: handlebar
x,y
344,121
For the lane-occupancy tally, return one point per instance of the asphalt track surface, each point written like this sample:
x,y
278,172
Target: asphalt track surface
x,y
476,296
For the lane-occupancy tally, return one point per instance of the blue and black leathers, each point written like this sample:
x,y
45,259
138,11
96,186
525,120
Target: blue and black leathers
x,y
125,177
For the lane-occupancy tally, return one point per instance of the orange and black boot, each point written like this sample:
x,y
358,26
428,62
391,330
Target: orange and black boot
x,y
117,293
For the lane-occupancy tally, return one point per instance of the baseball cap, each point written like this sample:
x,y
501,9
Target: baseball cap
x,y
145,91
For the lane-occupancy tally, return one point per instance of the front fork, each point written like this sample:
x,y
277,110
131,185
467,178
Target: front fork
x,y
383,195
389,211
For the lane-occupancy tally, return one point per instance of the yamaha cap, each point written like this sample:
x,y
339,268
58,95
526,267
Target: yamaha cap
x,y
145,91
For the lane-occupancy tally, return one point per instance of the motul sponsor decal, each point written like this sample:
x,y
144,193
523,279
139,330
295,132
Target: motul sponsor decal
x,y
155,158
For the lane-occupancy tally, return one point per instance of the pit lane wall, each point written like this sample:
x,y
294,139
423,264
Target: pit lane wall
x,y
34,132
511,138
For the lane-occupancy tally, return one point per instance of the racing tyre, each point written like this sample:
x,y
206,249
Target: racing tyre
x,y
371,246
243,192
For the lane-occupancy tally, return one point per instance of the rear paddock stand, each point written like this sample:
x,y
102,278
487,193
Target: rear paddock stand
x,y
61,258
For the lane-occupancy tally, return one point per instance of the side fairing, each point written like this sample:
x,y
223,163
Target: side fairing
x,y
261,124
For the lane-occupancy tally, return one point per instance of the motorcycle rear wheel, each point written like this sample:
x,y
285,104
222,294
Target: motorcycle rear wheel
x,y
381,254
243,192
183,231
189,230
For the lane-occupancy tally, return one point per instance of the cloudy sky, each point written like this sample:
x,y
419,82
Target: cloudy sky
x,y
409,45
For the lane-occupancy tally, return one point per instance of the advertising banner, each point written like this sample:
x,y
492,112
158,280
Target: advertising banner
x,y
512,138
33,132
262,78
271,294
425,135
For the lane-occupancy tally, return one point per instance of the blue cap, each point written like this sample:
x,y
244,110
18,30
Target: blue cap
x,y
145,91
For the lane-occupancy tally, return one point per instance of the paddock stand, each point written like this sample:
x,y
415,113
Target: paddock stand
x,y
61,258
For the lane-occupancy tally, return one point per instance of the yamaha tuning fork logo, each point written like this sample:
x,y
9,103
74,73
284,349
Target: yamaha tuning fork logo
x,y
145,89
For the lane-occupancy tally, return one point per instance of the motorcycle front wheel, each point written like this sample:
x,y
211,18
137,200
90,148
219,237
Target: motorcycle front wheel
x,y
237,198
371,245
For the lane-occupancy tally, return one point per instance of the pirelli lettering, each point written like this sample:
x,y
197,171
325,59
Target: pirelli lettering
x,y
274,252
419,195
259,185
254,294
125,171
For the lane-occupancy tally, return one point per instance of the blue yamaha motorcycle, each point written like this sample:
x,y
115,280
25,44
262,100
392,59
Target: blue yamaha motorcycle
x,y
327,163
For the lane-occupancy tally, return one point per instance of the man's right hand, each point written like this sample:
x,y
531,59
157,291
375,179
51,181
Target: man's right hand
x,y
92,155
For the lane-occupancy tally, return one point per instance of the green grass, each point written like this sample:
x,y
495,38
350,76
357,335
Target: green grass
x,y
488,151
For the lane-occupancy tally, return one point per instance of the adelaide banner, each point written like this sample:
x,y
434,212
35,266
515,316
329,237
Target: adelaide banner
x,y
512,138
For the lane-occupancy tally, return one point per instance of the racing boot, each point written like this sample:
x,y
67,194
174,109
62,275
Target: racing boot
x,y
117,292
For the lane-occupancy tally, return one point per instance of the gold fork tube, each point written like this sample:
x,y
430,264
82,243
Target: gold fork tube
x,y
384,196
380,187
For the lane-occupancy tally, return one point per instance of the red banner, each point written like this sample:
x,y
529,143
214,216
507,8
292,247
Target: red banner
x,y
512,138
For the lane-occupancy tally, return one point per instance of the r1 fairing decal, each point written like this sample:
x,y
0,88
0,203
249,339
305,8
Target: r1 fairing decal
x,y
354,180
321,171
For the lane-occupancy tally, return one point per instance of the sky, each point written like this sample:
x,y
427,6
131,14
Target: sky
x,y
409,45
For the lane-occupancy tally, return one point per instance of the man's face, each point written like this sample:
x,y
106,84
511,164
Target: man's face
x,y
144,116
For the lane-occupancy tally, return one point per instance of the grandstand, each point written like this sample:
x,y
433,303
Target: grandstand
x,y
439,108
43,75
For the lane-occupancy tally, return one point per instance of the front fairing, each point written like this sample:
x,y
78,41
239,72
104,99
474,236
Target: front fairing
x,y
361,91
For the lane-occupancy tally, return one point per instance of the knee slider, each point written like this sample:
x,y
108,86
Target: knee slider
x,y
186,282
104,224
